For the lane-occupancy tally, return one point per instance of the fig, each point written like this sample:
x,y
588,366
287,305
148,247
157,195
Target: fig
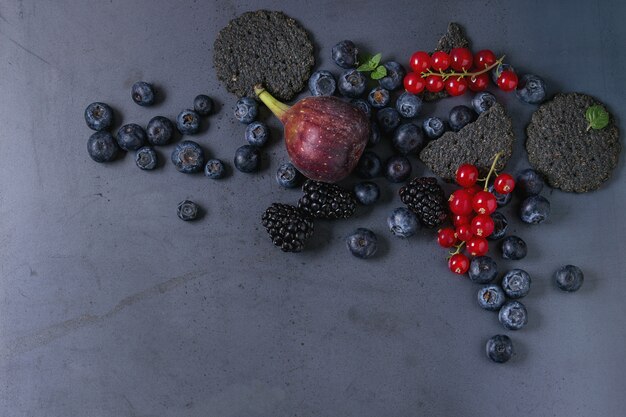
x,y
324,135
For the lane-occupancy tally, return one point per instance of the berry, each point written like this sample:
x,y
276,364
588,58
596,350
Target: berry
x,y
534,210
460,202
188,157
388,119
426,199
440,61
516,283
501,199
322,83
483,101
482,270
459,219
463,232
159,130
98,116
507,81
499,348
203,105
414,83
474,189
374,138
513,248
482,225
247,158
187,210
366,193
531,89
188,122
288,176
446,237
408,105
398,168
434,127
395,75
131,137
378,97
362,243
478,82
491,297
352,83
461,59
529,182
500,226
497,71
287,226
246,110
402,222
408,139
569,278
484,202
420,61
214,169
513,315
142,93
477,246
369,166
362,105
146,158
257,134
434,83
484,59
345,54
326,201
504,184
455,86
459,117
102,147
458,263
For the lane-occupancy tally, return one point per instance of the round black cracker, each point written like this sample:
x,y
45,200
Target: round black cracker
x,y
477,144
561,148
264,47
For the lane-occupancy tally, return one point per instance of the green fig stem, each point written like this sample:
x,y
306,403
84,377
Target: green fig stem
x,y
279,109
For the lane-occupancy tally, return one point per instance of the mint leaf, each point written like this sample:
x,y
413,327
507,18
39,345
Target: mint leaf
x,y
379,73
370,64
597,117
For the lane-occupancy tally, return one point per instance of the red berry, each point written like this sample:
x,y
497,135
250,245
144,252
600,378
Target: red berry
x,y
446,237
504,183
484,202
482,225
456,86
466,175
460,59
484,59
507,81
474,189
414,83
459,219
478,246
463,232
460,202
420,61
434,83
440,61
478,82
458,263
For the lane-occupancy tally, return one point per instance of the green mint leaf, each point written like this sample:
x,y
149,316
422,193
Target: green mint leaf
x,y
597,117
379,73
370,63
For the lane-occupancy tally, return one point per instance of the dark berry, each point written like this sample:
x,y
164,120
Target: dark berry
x,y
188,122
459,117
246,110
378,97
395,75
345,54
374,138
434,127
482,270
388,119
534,209
287,226
398,168
569,278
159,131
247,158
131,137
288,176
362,243
408,139
483,101
322,83
214,169
501,199
408,105
366,193
516,283
529,182
369,166
187,210
491,297
499,348
513,248
513,315
102,147
531,89
146,158
426,199
352,83
326,201
142,93
257,134
362,105
203,105
188,157
99,116
500,226
402,222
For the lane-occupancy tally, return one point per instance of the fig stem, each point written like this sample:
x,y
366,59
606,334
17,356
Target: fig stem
x,y
279,109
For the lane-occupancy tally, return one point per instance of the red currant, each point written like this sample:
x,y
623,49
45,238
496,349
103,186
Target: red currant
x,y
484,202
440,61
478,246
507,81
463,232
460,59
484,59
420,61
504,183
460,202
456,86
474,189
482,225
458,263
434,83
466,175
414,83
478,82
446,237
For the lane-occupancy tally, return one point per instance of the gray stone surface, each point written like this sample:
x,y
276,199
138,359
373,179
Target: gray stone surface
x,y
112,306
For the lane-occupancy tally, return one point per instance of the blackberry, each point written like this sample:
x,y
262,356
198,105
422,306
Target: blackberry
x,y
288,227
326,201
426,199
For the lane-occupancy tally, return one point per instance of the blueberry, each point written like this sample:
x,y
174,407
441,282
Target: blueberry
x,y
398,168
362,105
482,270
491,297
402,222
388,119
369,166
569,278
345,54
513,248
188,157
146,158
247,158
408,105
99,116
203,105
378,97
501,199
352,83
188,122
374,138
495,73
500,226
483,101
160,130
362,243
257,133
187,210
516,283
366,193
434,127
499,348
102,147
529,182
142,93
513,315
531,89
408,139
246,110
534,209
288,176
131,137
460,116
322,83
214,169
395,76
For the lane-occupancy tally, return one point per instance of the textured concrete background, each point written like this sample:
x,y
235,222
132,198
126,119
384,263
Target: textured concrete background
x,y
111,306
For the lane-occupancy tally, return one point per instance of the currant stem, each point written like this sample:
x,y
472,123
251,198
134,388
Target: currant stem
x,y
458,249
459,75
492,169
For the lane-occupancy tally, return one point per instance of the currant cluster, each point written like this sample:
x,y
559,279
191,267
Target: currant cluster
x,y
457,71
471,207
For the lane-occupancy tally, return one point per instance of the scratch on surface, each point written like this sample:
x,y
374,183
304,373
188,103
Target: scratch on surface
x,y
25,49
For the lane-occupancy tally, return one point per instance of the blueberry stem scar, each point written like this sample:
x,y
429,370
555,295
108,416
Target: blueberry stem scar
x,y
279,109
445,75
